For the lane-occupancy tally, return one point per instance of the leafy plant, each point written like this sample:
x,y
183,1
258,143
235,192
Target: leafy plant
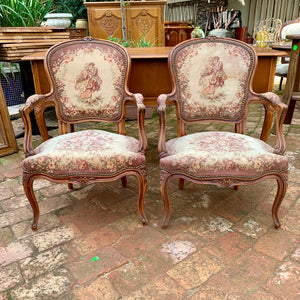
x,y
11,66
143,43
130,43
16,13
126,44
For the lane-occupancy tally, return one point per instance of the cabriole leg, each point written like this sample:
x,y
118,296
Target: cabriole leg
x,y
181,183
28,189
164,180
281,190
142,177
124,181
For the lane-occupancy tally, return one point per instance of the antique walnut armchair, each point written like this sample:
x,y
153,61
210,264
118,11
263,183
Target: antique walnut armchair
x,y
89,80
212,82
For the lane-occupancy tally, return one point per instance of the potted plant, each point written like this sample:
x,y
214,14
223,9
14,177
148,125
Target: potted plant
x,y
76,8
141,18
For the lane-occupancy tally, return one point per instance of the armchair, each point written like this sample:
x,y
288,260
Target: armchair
x,y
211,81
290,27
88,79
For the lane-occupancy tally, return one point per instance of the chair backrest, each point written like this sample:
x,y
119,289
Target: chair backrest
x,y
89,79
290,27
211,78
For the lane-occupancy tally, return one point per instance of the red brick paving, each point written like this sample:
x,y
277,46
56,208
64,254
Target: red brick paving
x,y
220,244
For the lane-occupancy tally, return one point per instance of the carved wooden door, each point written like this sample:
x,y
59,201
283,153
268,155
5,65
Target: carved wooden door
x,y
142,18
8,143
105,22
147,23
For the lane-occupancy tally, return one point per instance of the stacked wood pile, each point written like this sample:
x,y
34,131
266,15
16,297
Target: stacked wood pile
x,y
16,42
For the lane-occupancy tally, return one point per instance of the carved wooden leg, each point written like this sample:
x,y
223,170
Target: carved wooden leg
x,y
124,181
142,177
28,189
281,190
164,180
180,183
70,186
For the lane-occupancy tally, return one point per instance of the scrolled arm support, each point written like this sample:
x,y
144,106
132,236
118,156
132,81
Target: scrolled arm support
x,y
141,108
162,103
272,102
31,102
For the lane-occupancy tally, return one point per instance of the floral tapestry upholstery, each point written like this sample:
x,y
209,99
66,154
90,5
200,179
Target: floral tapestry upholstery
x,y
88,152
88,79
215,154
212,79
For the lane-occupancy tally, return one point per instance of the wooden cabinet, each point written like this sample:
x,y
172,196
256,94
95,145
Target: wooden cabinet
x,y
177,32
142,18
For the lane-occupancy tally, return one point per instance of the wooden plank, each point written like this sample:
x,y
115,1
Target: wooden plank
x,y
17,46
27,29
50,33
23,51
19,41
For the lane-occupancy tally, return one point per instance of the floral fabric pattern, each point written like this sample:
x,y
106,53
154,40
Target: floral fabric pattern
x,y
221,154
212,79
88,80
92,152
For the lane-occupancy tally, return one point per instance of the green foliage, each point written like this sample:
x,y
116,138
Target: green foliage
x,y
126,44
143,43
130,43
11,66
23,13
76,8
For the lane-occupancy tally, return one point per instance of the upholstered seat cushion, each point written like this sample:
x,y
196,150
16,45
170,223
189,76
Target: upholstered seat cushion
x,y
91,152
218,154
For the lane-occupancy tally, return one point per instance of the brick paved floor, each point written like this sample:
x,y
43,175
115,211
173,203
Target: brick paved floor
x,y
220,243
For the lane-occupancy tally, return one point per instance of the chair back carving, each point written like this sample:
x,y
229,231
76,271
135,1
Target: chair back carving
x,y
88,79
212,78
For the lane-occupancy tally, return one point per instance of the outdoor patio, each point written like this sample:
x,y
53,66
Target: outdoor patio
x,y
220,243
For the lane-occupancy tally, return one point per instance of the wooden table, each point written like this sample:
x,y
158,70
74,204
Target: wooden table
x,y
150,75
291,92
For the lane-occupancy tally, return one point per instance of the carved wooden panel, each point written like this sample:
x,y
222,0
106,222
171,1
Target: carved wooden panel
x,y
105,22
8,143
147,22
143,19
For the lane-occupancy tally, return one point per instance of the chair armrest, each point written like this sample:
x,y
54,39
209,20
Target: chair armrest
x,y
271,103
162,103
141,108
31,102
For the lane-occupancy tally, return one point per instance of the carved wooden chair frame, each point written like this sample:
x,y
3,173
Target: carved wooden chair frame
x,y
284,59
271,103
38,104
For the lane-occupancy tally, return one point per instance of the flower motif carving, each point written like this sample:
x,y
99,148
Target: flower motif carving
x,y
144,22
226,182
85,179
109,23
